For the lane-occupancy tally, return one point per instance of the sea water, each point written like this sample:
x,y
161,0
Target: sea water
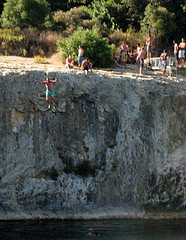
x,y
107,229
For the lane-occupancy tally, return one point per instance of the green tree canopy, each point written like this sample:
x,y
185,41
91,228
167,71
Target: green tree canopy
x,y
22,13
161,23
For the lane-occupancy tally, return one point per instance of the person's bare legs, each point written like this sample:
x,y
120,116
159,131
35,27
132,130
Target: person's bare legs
x,y
53,101
48,101
182,62
86,73
164,71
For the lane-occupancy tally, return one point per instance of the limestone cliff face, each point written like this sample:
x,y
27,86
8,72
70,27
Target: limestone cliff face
x,y
113,147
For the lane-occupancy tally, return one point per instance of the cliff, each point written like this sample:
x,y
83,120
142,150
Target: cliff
x,y
114,147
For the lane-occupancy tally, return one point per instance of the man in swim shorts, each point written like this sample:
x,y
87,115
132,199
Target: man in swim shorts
x,y
149,48
138,50
49,90
123,53
176,52
163,60
182,52
80,56
141,58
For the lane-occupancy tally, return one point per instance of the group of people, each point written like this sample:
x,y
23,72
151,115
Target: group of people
x,y
124,57
139,54
84,65
179,52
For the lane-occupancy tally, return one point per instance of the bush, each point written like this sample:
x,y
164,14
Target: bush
x,y
70,20
40,59
48,41
116,37
95,47
13,43
133,37
90,23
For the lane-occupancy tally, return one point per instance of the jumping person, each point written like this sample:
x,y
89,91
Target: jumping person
x,y
49,90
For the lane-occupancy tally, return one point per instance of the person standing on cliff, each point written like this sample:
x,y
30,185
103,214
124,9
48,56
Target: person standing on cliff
x,y
80,56
149,48
176,52
123,53
49,90
182,47
141,58
164,57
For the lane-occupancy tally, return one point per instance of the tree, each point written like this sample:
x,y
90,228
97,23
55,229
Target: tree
x,y
158,21
1,5
22,13
177,7
134,11
100,9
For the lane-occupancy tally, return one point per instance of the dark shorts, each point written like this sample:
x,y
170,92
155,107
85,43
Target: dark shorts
x,y
142,63
149,49
80,59
176,55
86,68
164,64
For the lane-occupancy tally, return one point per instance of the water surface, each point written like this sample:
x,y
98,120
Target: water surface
x,y
108,230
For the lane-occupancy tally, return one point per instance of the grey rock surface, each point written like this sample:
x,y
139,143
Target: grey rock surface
x,y
114,147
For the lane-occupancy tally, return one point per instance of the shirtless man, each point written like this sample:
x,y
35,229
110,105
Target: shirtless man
x,y
138,50
182,51
69,62
141,58
86,65
164,57
123,53
49,90
80,56
176,52
149,48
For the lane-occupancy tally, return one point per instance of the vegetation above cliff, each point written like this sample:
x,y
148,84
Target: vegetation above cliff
x,y
38,25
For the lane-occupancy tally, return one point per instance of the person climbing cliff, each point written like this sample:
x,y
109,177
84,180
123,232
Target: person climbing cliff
x,y
49,90
86,65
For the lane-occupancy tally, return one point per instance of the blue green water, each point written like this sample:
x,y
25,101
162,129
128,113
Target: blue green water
x,y
107,229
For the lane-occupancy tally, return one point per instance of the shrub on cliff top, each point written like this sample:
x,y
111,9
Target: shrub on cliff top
x,y
96,48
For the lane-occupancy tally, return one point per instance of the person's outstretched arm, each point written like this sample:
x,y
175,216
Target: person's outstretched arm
x,y
54,80
39,81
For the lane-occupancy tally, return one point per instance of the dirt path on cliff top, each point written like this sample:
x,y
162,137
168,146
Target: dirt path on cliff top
x,y
132,70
